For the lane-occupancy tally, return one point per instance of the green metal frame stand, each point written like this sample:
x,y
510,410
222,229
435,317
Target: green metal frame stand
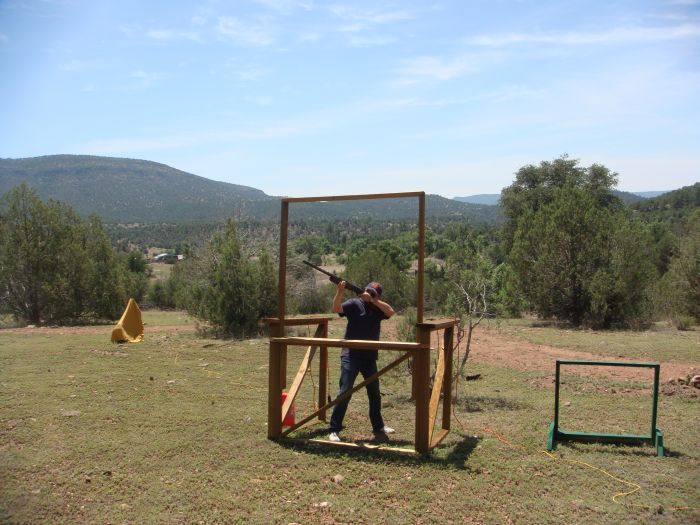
x,y
655,437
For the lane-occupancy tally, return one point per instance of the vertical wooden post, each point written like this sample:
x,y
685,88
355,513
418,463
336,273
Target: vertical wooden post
x,y
421,256
274,387
421,378
448,343
323,373
282,288
419,288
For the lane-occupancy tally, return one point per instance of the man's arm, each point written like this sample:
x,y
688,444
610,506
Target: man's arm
x,y
338,299
386,308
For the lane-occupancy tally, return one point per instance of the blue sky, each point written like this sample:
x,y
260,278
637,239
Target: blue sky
x,y
304,97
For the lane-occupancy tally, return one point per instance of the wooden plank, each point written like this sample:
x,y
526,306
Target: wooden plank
x,y
439,324
421,256
368,196
347,394
298,321
282,279
353,446
323,374
274,393
281,289
448,345
437,390
299,378
351,343
421,377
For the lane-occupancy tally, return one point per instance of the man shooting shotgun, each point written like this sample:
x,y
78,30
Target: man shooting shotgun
x,y
364,314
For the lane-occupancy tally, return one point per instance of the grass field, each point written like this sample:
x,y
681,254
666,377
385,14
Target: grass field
x,y
173,430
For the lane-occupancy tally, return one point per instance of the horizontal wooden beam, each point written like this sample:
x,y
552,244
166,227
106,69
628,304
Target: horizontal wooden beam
x,y
355,197
353,446
439,324
349,343
298,321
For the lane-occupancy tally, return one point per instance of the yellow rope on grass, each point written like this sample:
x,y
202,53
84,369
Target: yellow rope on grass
x,y
617,495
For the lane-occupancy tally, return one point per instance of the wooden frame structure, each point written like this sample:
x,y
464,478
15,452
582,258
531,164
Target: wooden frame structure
x,y
655,437
426,400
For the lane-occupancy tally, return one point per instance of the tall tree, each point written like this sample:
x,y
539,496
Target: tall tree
x,y
578,261
535,186
680,285
577,253
55,267
220,285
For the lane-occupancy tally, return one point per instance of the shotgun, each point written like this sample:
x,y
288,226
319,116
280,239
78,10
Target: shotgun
x,y
335,279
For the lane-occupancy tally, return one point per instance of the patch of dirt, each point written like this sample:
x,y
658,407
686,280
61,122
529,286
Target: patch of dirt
x,y
491,347
548,382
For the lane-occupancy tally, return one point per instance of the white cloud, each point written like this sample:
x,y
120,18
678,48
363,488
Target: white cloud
x,y
247,72
310,37
373,17
4,37
142,79
352,28
129,30
247,34
650,172
304,124
430,68
77,65
286,6
370,41
168,34
623,35
260,100
140,145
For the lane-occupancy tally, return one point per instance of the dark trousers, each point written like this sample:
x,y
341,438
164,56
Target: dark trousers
x,y
349,368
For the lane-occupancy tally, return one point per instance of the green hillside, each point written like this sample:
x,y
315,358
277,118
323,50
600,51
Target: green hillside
x,y
137,191
127,190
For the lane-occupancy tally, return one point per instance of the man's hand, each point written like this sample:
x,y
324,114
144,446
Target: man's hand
x,y
366,297
338,299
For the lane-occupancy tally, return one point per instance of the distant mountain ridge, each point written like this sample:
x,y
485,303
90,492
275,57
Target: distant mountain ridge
x,y
489,199
626,196
126,190
137,191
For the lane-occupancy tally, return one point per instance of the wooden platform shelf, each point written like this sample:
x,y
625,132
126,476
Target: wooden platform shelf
x,y
427,400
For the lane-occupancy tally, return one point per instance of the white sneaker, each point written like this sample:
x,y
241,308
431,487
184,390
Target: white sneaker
x,y
334,437
386,430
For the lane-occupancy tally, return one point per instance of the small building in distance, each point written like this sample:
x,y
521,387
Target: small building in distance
x,y
167,258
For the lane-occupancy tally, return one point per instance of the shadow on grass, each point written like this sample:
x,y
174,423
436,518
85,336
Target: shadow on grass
x,y
619,449
456,458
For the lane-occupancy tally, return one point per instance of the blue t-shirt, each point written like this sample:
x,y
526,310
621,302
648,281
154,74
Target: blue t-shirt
x,y
364,320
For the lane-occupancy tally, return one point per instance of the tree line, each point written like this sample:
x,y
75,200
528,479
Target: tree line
x,y
568,250
56,267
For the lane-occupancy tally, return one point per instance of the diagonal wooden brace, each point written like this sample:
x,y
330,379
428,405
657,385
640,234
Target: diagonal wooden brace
x,y
301,374
347,394
437,390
